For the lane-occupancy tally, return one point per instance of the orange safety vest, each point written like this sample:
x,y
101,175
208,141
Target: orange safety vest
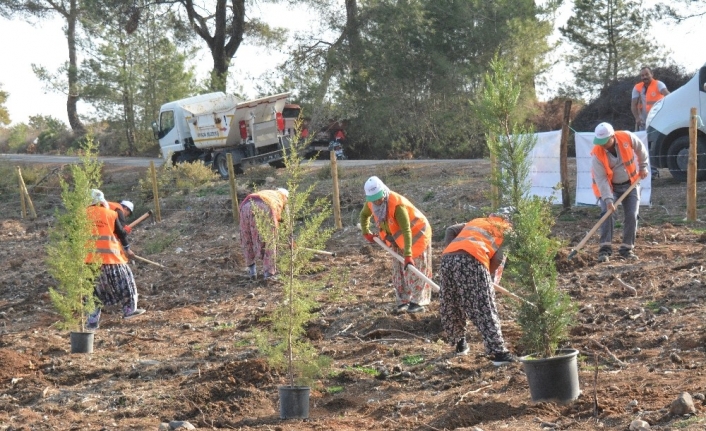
x,y
108,247
624,144
481,238
652,94
421,230
117,207
273,199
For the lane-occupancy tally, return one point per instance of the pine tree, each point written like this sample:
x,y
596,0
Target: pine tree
x,y
611,40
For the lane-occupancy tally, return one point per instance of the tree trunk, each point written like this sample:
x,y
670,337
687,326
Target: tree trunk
x,y
129,108
72,100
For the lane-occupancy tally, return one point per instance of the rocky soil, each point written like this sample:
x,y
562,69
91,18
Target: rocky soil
x,y
191,356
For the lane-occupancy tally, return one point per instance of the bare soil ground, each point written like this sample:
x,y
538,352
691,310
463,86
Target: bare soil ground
x,y
191,357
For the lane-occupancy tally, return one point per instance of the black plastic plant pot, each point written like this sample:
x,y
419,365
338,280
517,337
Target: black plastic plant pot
x,y
294,402
82,342
554,379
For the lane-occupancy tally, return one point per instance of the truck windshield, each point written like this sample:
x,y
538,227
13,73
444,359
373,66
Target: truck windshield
x,y
166,123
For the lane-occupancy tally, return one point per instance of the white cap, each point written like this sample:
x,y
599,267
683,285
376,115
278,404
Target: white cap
x,y
129,205
603,132
374,189
285,192
97,197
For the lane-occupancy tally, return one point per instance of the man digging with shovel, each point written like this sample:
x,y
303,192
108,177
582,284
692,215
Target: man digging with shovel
x,y
619,160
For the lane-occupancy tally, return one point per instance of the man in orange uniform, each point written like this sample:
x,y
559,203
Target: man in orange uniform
x,y
124,210
619,159
406,230
644,95
270,202
116,284
473,251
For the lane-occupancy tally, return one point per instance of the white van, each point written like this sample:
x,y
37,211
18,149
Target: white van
x,y
667,128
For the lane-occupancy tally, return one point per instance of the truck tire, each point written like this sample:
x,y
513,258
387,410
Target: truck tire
x,y
678,158
220,164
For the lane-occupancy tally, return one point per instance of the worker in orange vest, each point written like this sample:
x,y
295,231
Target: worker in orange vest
x,y
124,210
407,232
473,251
619,159
271,202
644,94
116,283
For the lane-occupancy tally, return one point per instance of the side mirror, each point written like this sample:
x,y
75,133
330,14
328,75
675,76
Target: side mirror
x,y
155,130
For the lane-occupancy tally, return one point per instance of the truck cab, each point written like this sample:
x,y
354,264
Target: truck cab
x,y
667,128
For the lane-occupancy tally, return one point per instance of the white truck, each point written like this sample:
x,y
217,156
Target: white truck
x,y
667,128
209,126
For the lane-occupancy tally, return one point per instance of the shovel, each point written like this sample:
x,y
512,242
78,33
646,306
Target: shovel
x,y
600,222
419,273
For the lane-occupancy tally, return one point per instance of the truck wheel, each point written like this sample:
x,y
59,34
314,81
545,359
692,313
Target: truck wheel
x,y
278,164
678,158
221,165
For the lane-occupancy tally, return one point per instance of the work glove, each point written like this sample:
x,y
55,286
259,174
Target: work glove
x,y
127,228
408,261
370,237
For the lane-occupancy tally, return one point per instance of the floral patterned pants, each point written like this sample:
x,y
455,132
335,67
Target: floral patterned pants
x,y
251,241
116,286
467,293
409,287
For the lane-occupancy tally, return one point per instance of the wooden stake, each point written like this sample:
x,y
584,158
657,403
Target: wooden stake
x,y
22,193
25,194
155,192
336,195
691,170
563,151
233,189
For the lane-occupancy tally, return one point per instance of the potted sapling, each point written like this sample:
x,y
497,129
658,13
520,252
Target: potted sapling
x,y
284,342
70,243
547,312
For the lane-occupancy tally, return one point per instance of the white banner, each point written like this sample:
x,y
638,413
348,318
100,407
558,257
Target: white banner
x,y
545,174
584,192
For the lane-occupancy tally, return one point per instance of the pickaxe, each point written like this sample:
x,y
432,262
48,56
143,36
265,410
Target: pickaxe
x,y
140,219
600,222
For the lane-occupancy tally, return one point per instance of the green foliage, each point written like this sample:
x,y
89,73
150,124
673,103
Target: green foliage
x,y
52,132
4,113
71,241
301,227
127,76
332,390
367,370
531,265
611,40
18,138
164,178
532,250
412,360
189,176
508,141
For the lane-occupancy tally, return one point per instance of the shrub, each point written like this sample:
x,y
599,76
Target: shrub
x,y
71,242
301,228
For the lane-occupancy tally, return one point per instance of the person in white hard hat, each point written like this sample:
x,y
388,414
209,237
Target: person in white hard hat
x,y
124,210
406,230
116,283
254,247
619,159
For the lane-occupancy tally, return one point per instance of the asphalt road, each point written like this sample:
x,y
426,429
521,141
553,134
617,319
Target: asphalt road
x,y
145,161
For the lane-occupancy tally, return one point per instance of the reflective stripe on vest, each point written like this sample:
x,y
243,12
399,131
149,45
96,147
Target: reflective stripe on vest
x,y
481,238
108,246
652,95
623,143
421,230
